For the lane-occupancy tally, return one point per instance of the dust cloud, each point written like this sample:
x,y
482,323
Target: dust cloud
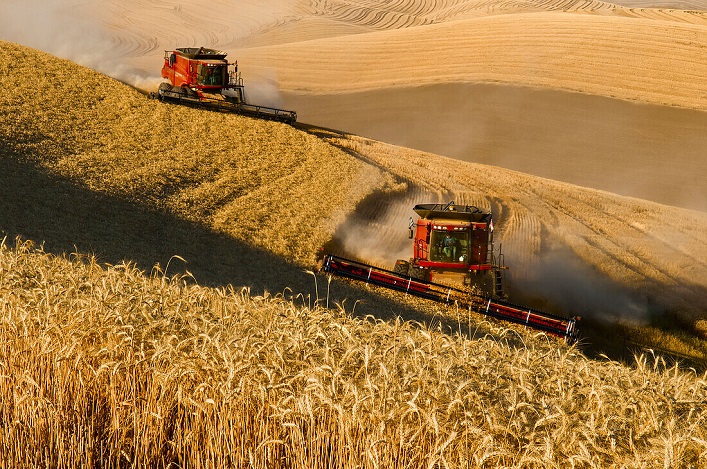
x,y
552,278
558,281
63,29
365,243
377,232
59,28
263,90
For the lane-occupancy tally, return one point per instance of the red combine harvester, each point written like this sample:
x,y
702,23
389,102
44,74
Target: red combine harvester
x,y
203,77
454,243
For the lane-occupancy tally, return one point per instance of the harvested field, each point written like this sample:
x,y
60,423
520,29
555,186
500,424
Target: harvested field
x,y
517,68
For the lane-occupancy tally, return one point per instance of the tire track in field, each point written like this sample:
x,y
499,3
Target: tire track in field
x,y
587,225
641,263
383,15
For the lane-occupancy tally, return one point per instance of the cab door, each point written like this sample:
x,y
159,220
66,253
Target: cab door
x,y
422,240
479,246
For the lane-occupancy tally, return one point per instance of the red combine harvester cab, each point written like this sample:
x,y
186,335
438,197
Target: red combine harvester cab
x,y
454,244
202,77
199,69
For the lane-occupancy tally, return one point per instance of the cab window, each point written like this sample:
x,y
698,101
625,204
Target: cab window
x,y
449,246
210,75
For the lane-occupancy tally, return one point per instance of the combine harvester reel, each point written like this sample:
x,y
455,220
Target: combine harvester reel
x,y
203,77
454,245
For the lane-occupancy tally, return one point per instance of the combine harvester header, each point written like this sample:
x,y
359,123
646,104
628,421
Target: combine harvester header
x,y
454,243
493,307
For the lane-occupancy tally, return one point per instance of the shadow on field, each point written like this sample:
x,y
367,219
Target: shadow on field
x,y
66,217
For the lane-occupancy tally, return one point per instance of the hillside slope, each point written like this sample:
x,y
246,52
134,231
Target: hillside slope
x,y
97,167
580,91
582,98
262,183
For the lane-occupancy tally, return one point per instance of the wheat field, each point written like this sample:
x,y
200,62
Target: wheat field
x,y
263,189
129,365
111,367
204,167
162,312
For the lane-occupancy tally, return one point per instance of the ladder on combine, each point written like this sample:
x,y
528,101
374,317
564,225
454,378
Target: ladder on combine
x,y
559,326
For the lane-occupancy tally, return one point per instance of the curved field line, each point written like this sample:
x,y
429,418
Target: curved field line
x,y
655,62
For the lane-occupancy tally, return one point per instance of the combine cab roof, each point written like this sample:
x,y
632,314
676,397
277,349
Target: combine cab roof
x,y
452,211
201,53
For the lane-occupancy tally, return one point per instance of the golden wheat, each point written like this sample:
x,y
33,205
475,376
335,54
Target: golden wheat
x,y
110,367
107,366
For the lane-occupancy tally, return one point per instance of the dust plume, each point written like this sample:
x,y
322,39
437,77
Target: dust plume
x,y
377,232
552,277
60,28
262,90
63,28
558,281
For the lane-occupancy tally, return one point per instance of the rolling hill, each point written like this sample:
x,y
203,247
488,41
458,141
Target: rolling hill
x,y
112,352
227,193
578,91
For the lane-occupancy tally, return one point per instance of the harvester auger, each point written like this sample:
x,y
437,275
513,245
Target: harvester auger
x,y
454,244
203,77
